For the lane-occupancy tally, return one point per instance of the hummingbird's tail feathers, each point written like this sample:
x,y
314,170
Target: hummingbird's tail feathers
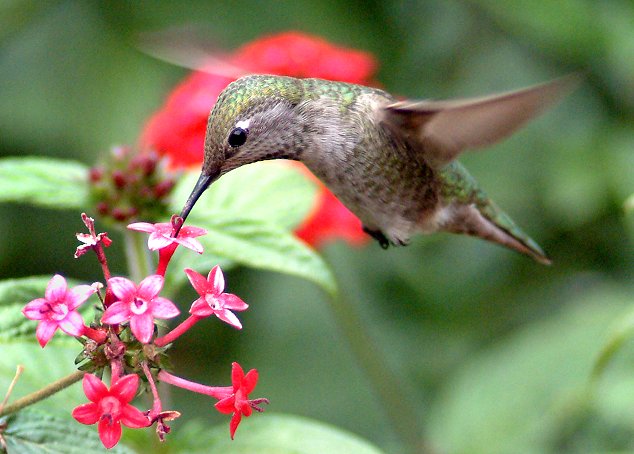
x,y
490,223
447,128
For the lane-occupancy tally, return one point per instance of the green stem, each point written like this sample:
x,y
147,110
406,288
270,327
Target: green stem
x,y
137,255
390,391
43,393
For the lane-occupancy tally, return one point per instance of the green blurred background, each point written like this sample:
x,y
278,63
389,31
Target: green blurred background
x,y
494,351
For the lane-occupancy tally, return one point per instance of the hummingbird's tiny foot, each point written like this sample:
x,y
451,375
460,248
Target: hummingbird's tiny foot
x,y
379,236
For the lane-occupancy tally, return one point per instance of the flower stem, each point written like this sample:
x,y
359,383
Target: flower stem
x,y
177,332
217,392
401,414
43,393
136,255
157,407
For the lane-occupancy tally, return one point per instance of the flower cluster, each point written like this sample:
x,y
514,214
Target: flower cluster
x,y
177,130
124,338
130,185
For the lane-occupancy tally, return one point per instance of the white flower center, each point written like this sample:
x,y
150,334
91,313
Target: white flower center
x,y
138,306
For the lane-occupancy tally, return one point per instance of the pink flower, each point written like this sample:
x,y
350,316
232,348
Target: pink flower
x,y
212,299
110,407
58,309
161,235
238,401
91,240
140,305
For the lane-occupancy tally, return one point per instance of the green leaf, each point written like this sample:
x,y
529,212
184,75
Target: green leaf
x,y
48,182
523,394
248,214
273,434
42,366
274,192
34,432
14,294
258,245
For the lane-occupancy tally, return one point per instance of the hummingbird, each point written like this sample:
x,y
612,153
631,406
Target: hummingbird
x,y
391,162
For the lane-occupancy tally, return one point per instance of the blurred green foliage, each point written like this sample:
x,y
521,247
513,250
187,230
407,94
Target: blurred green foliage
x,y
494,350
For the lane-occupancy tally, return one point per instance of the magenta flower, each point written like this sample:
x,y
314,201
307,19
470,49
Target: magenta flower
x,y
212,299
140,305
58,309
238,401
161,235
110,407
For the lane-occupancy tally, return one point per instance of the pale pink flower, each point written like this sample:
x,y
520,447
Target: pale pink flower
x,y
161,235
110,407
212,299
140,305
58,309
91,240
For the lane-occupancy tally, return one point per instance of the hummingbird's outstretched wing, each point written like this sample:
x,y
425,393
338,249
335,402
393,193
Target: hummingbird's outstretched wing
x,y
447,128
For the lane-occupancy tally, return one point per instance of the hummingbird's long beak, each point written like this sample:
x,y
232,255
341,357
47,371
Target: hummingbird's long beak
x,y
203,183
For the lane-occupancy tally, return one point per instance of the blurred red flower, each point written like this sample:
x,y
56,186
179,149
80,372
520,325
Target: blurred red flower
x,y
177,130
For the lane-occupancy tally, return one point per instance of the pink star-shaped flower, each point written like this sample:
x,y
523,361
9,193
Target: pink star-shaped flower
x,y
141,305
161,235
110,407
58,309
212,299
238,401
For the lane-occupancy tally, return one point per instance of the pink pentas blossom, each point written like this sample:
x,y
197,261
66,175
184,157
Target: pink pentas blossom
x,y
138,304
110,407
58,309
161,235
238,402
212,299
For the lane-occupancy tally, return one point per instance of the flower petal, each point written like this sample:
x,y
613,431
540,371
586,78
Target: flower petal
x,y
229,317
87,413
217,279
72,324
78,295
150,286
33,310
123,288
125,388
157,241
44,331
117,313
94,389
250,380
142,227
231,301
190,231
200,308
142,327
226,405
163,308
237,375
133,417
56,289
235,422
109,432
198,281
190,243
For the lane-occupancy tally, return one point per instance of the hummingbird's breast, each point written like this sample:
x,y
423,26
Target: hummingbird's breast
x,y
369,167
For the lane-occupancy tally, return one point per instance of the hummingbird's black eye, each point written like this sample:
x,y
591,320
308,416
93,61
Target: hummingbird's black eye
x,y
237,137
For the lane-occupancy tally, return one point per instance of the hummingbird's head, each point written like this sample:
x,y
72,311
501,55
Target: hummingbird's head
x,y
254,119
